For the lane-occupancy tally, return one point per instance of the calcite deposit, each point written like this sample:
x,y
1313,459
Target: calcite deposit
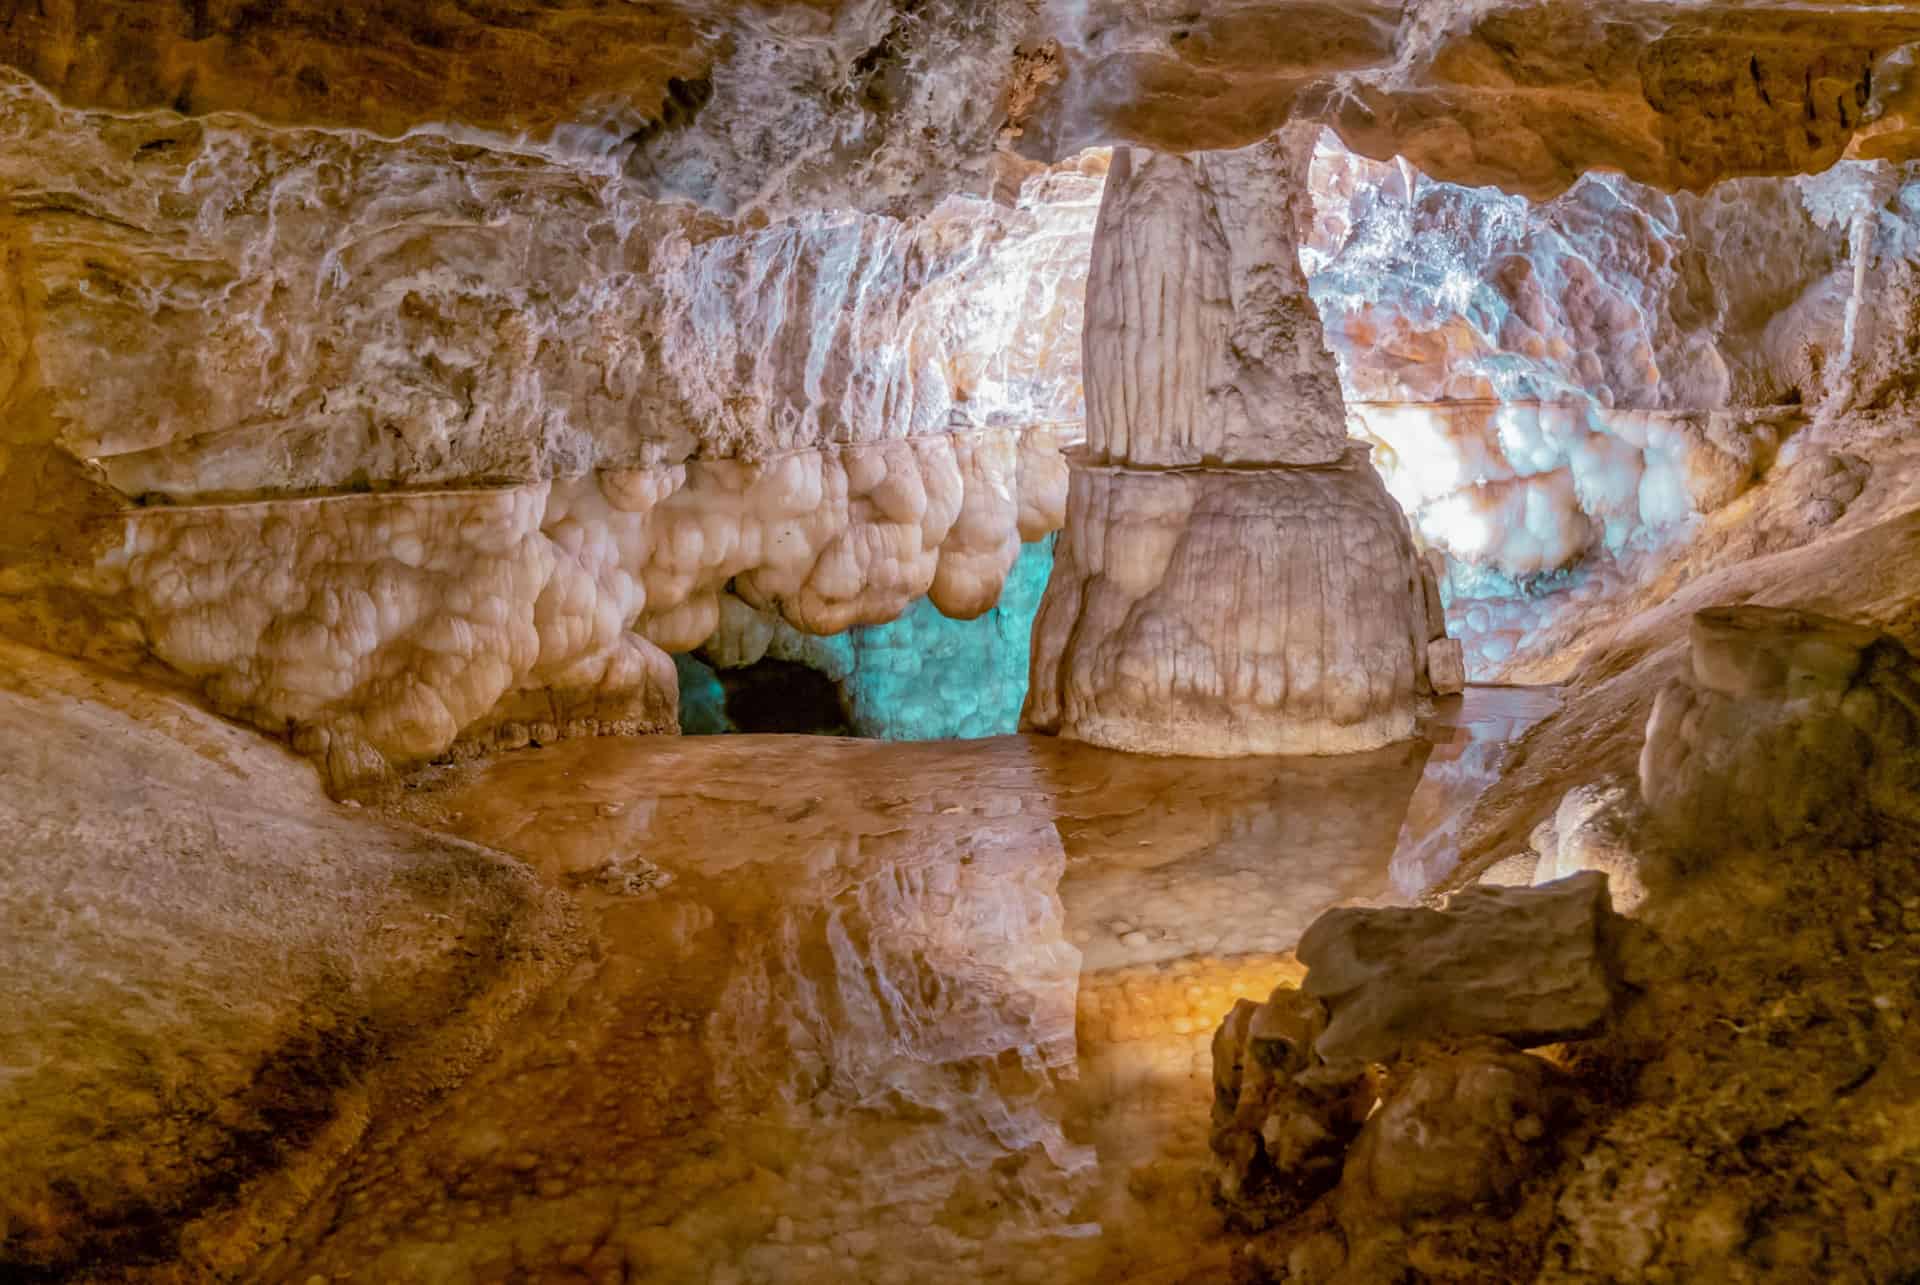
x,y
1233,578
585,416
381,629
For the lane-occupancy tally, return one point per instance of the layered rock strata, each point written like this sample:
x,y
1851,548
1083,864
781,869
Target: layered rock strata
x,y
1234,578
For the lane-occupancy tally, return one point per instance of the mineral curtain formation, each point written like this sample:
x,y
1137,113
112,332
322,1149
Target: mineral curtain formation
x,y
1233,577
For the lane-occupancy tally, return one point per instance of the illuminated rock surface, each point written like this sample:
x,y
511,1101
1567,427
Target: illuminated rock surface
x,y
202,964
898,1009
1233,578
1525,965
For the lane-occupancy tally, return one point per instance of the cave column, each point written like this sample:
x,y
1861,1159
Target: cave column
x,y
1233,577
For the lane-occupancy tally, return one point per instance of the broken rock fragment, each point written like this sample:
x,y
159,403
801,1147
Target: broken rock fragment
x,y
1527,965
1280,1130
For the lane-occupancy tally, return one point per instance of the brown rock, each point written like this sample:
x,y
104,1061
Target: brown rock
x,y
1786,725
1446,667
1458,1131
1523,964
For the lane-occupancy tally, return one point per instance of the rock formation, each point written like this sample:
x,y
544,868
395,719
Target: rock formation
x,y
204,961
1233,578
583,416
394,384
1786,726
1393,1078
1524,964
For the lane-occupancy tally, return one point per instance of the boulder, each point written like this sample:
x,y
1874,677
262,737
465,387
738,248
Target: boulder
x,y
1529,965
1459,1130
1446,667
1281,1126
1593,829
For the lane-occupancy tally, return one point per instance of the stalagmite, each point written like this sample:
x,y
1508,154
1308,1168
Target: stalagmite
x,y
1234,578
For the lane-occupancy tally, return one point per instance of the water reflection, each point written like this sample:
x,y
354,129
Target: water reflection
x,y
903,1010
1471,739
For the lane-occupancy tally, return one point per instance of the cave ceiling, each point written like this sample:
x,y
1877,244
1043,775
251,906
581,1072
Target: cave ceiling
x,y
892,104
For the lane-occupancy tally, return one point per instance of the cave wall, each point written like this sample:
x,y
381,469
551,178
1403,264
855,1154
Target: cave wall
x,y
329,258
396,445
1559,393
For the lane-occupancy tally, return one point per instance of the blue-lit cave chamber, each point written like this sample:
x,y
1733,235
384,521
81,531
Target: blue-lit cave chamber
x,y
921,677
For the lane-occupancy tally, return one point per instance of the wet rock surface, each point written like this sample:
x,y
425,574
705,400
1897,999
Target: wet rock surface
x,y
212,978
782,1008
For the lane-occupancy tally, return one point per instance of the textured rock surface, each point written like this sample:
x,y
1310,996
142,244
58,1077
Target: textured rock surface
x,y
1233,580
1525,95
1785,726
381,629
1559,393
1202,346
874,104
210,976
1595,828
209,309
1256,611
1280,1135
1614,293
1524,964
1459,1130
623,407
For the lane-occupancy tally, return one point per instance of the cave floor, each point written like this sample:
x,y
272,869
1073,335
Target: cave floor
x,y
860,1011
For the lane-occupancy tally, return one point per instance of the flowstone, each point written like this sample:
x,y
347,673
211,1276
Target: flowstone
x,y
1233,578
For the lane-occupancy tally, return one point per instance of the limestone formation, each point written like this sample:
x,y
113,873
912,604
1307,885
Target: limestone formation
x,y
583,415
1389,1082
1785,726
1524,94
1446,666
1280,1133
392,383
1528,965
382,629
1233,578
1557,393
